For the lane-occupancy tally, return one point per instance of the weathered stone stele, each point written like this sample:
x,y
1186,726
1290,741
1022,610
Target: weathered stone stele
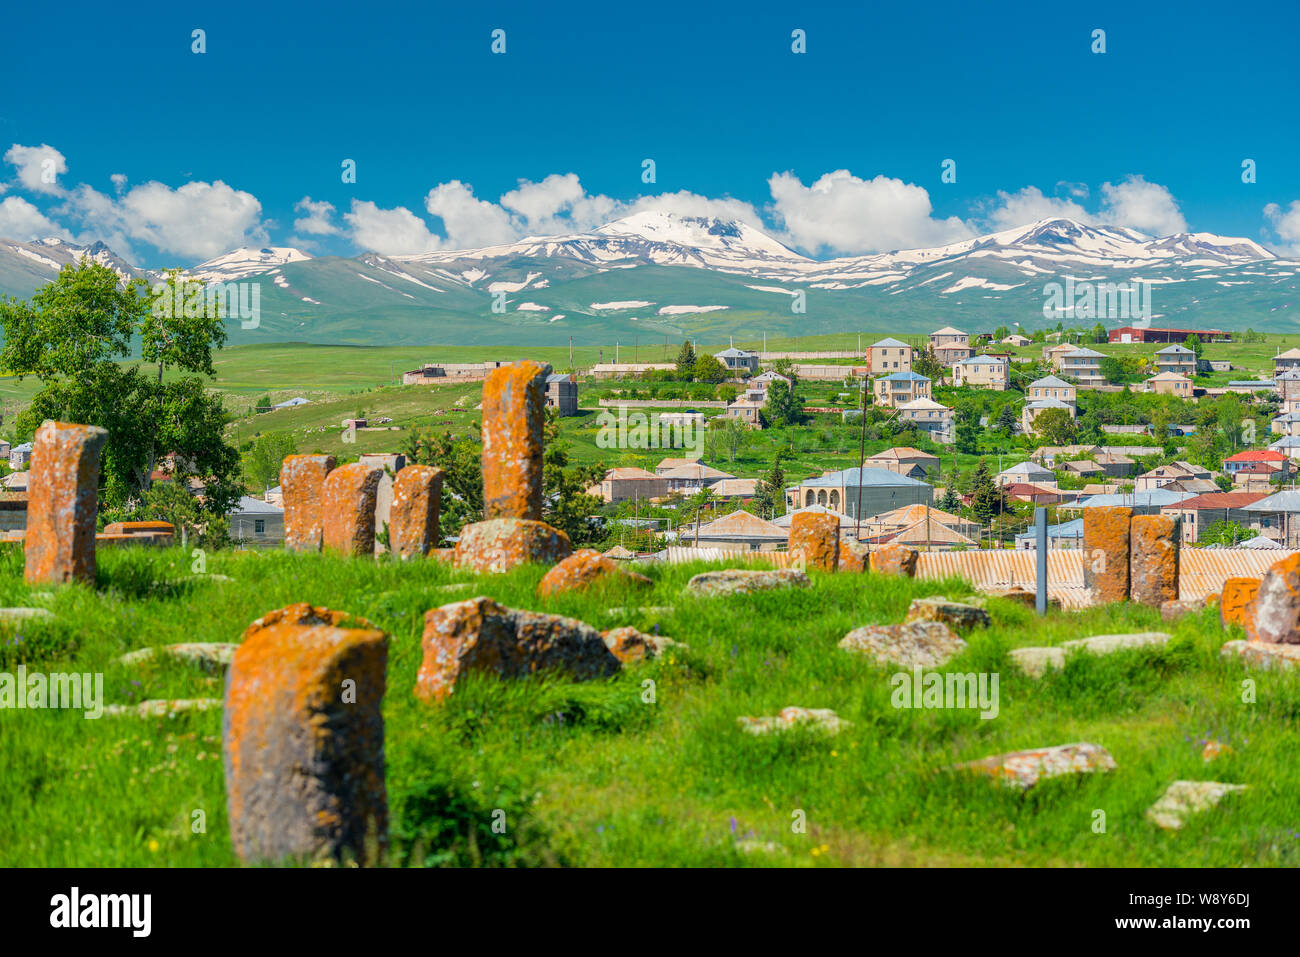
x,y
854,556
925,643
501,544
585,568
815,538
413,519
739,581
62,503
514,410
303,737
1105,552
895,560
1236,603
1153,559
1275,612
482,636
302,484
348,506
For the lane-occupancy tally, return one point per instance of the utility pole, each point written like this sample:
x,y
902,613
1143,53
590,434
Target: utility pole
x,y
570,353
862,457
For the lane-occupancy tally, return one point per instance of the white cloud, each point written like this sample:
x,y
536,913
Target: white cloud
x,y
389,232
21,220
319,218
1029,205
38,167
197,220
1285,223
844,214
119,182
1146,207
468,221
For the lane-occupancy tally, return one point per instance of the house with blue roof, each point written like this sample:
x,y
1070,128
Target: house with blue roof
x,y
900,388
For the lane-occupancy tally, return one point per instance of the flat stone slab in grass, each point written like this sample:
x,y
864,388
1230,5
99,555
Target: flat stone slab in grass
x,y
1185,798
162,708
1178,607
1024,769
209,655
925,643
741,581
653,610
24,614
629,645
456,586
816,719
959,615
1263,654
1035,661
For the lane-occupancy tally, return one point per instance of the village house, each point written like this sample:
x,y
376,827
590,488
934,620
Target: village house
x,y
1083,366
1026,472
889,355
735,488
950,345
905,461
1037,494
629,483
254,522
1260,475
562,393
848,525
879,490
900,388
910,516
1055,355
1170,383
1033,409
1177,359
1287,424
435,373
738,361
669,464
1278,516
20,455
1288,361
1051,387
765,379
928,416
1202,511
1243,460
739,530
1166,475
987,372
1016,339
749,411
1063,535
693,477
1115,464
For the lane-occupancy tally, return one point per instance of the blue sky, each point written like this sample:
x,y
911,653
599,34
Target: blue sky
x,y
220,149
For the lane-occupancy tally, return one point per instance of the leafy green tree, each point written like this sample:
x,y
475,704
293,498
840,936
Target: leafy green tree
x,y
566,504
949,501
786,368
1194,343
769,491
1007,418
1223,532
986,499
1099,333
461,461
686,361
707,368
1055,427
927,364
730,434
782,406
75,334
262,462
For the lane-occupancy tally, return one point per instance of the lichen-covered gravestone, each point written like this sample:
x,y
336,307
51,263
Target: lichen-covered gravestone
x,y
815,539
302,485
62,502
512,533
348,504
1105,552
413,519
303,739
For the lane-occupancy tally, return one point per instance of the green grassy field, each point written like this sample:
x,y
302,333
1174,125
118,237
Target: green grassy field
x,y
593,774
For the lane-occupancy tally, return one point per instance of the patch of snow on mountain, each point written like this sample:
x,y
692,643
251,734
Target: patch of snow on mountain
x,y
621,304
681,310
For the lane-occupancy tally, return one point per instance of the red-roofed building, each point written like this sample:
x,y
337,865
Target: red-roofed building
x,y
1235,463
1199,513
1024,492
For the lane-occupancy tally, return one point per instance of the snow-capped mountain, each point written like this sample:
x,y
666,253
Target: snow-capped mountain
x,y
247,262
657,274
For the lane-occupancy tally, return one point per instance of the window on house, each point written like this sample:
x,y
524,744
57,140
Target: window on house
x,y
259,526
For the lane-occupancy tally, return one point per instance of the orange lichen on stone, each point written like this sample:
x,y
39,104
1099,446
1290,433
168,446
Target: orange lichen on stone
x,y
853,556
348,509
514,410
62,503
1235,604
1105,552
895,560
1275,612
501,544
302,485
815,538
482,636
630,646
413,520
303,613
585,568
1153,559
303,737
139,528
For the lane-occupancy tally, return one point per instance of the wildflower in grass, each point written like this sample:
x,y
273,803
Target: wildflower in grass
x,y
153,846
